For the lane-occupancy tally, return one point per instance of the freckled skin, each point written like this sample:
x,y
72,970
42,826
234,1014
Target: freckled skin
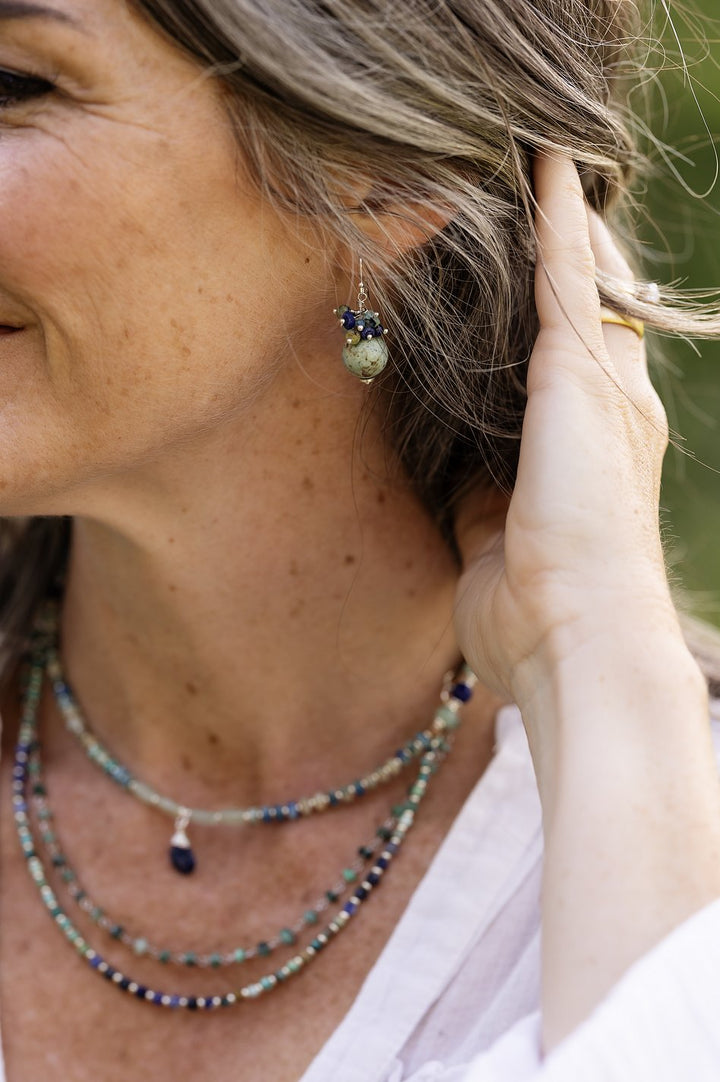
x,y
121,198
228,538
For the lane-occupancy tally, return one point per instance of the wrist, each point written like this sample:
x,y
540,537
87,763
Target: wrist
x,y
611,698
633,630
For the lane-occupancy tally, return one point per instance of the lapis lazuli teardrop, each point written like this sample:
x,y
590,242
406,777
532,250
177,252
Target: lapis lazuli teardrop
x,y
182,859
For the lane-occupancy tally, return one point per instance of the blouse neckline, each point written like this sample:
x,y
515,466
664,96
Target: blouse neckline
x,y
476,868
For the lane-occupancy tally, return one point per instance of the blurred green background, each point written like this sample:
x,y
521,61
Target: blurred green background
x,y
682,237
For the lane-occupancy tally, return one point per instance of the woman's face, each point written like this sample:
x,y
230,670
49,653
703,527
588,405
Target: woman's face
x,y
151,292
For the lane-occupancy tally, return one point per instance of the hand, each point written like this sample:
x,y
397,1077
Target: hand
x,y
578,550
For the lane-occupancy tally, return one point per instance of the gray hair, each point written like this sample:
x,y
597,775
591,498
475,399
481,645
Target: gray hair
x,y
440,105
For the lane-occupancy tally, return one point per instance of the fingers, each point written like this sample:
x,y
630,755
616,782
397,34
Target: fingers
x,y
626,349
608,256
572,241
565,293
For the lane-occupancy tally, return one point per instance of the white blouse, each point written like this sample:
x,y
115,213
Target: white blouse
x,y
454,996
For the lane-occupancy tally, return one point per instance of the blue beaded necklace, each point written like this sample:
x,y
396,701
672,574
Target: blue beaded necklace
x,y
180,851
28,787
48,835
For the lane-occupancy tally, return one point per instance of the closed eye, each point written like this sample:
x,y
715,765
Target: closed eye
x,y
16,88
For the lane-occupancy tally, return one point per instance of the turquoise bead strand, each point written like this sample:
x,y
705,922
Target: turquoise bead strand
x,y
26,747
270,813
140,944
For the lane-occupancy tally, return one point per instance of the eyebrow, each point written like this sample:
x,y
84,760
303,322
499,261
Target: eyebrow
x,y
15,9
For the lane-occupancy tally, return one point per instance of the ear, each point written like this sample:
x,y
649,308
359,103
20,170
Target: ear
x,y
401,227
394,227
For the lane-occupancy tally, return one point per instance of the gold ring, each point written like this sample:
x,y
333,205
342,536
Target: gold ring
x,y
608,315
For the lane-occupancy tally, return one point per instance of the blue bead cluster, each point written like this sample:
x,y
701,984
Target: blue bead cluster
x,y
364,322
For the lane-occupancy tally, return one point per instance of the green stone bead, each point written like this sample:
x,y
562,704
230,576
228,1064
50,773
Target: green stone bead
x,y
263,948
451,719
287,936
239,955
349,875
366,359
189,959
310,916
164,957
267,983
215,960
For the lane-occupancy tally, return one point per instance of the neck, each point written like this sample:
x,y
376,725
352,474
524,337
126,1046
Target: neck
x,y
260,612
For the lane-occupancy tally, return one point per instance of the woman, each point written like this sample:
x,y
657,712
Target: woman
x,y
236,574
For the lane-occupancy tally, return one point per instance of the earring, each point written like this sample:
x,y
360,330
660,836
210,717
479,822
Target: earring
x,y
364,353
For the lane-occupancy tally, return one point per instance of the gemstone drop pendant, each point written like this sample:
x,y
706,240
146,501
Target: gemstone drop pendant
x,y
182,857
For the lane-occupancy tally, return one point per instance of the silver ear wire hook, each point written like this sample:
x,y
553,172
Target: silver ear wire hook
x,y
362,295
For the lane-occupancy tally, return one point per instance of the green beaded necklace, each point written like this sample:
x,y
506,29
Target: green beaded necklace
x,y
29,788
181,853
47,832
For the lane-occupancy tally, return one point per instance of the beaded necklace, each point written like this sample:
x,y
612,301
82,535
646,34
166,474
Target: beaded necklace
x,y
181,854
29,787
57,857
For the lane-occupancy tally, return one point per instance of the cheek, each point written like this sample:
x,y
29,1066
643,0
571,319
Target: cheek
x,y
152,286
